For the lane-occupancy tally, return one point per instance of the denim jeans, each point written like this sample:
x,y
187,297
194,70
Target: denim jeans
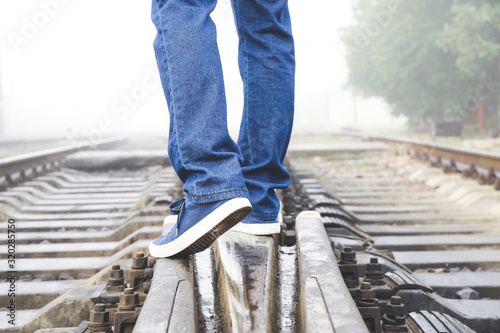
x,y
210,164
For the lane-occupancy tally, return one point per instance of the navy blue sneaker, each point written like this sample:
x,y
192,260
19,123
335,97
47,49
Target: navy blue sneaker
x,y
198,225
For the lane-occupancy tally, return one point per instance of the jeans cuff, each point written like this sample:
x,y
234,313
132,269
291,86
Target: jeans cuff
x,y
265,216
209,198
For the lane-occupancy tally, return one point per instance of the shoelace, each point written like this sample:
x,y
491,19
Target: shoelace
x,y
176,209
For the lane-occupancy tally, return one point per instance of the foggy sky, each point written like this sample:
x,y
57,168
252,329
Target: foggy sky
x,y
89,66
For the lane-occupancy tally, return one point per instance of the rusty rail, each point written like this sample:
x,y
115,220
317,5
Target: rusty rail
x,y
475,163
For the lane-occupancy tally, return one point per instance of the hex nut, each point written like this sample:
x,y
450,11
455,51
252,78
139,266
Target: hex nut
x,y
395,308
373,273
348,256
128,299
139,261
365,291
116,276
99,315
374,266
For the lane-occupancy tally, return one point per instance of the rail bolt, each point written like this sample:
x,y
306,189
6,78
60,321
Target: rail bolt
x,y
374,265
366,292
374,273
99,315
129,300
99,319
347,256
395,308
139,261
395,312
116,275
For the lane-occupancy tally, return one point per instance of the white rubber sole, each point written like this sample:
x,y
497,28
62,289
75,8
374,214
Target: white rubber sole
x,y
202,234
258,228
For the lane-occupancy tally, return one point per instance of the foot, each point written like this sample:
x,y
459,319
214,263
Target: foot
x,y
253,226
197,226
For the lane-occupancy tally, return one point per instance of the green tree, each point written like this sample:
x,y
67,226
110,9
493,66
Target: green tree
x,y
472,35
417,54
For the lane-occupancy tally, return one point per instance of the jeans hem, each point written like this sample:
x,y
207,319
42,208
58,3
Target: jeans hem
x,y
265,216
210,198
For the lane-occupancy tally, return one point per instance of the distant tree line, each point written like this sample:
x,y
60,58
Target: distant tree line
x,y
427,59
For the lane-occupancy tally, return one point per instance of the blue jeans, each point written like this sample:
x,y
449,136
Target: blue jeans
x,y
210,164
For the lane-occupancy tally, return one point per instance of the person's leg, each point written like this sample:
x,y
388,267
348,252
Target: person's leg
x,y
202,153
267,67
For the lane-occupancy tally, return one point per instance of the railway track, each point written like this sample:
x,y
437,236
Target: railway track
x,y
374,240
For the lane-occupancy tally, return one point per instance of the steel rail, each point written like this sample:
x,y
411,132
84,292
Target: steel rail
x,y
37,162
474,163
